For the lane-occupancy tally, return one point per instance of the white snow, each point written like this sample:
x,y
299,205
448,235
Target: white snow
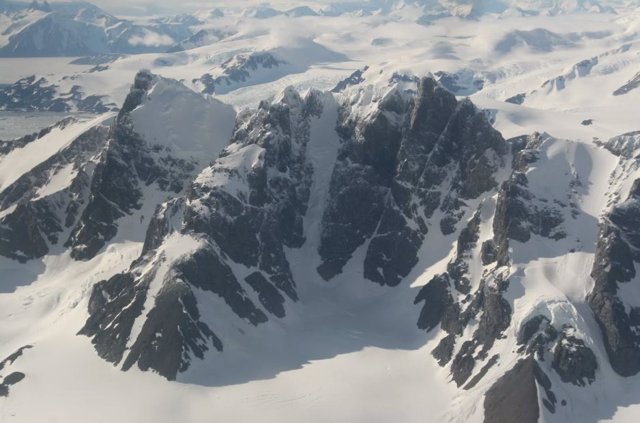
x,y
175,247
20,161
322,150
58,181
349,350
230,171
189,124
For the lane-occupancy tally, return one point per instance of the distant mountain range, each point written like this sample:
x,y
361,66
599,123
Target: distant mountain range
x,y
42,29
80,28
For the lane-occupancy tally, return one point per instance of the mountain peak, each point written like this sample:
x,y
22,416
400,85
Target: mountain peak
x,y
42,6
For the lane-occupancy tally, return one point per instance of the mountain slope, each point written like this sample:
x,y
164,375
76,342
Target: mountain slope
x,y
414,169
81,29
114,171
378,252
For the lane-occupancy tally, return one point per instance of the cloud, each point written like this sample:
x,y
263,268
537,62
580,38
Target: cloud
x,y
151,39
157,7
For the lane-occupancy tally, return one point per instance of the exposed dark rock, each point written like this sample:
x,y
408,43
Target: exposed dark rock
x,y
360,196
530,328
115,192
623,145
389,173
392,253
517,99
437,299
142,83
254,229
13,378
237,70
351,217
114,306
30,94
460,84
488,252
166,220
485,369
13,357
487,302
574,361
536,335
571,358
616,253
545,383
171,332
36,221
459,268
250,228
495,318
630,85
269,296
20,237
205,269
463,363
354,79
110,166
444,351
514,397
126,166
519,213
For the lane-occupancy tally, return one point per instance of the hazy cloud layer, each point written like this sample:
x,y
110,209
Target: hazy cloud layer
x,y
145,7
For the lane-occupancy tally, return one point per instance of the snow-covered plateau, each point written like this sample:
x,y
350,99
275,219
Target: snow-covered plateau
x,y
320,211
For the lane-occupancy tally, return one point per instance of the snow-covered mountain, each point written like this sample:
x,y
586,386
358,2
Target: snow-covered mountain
x,y
402,187
81,29
332,212
54,201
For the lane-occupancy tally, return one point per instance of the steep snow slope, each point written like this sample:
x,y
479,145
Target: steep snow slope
x,y
18,162
125,169
191,126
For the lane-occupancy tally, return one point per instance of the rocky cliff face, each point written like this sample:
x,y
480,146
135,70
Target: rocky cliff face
x,y
423,201
237,70
125,168
412,157
76,197
38,94
414,166
416,155
240,214
614,265
44,204
471,302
